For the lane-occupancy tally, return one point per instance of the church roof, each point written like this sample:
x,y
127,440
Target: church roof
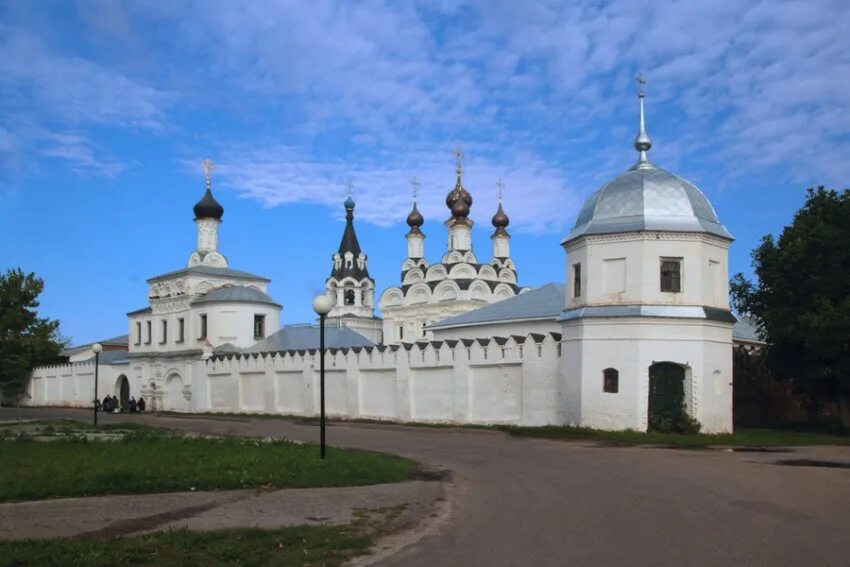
x,y
236,294
544,302
210,271
300,337
349,243
646,198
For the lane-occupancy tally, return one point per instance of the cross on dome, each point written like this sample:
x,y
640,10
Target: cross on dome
x,y
415,183
642,141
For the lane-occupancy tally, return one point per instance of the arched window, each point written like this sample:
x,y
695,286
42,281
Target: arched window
x,y
610,381
349,297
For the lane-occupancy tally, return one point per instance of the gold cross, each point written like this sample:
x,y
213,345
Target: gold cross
x,y
459,156
501,185
208,166
641,79
415,183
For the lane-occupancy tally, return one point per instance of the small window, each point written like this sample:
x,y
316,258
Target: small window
x,y
148,329
181,330
138,332
349,297
203,327
401,333
164,336
671,275
259,326
610,381
576,280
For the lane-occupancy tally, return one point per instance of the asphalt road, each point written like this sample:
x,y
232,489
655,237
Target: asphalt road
x,y
534,502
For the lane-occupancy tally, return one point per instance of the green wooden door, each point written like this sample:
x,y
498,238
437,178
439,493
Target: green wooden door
x,y
666,393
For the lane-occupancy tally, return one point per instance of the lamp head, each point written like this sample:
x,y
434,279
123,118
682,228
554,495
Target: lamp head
x,y
322,304
97,348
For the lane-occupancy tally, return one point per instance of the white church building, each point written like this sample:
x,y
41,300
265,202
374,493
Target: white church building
x,y
641,321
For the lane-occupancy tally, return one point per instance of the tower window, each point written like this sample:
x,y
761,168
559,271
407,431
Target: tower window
x,y
203,334
164,335
349,297
259,326
138,333
671,275
401,332
148,329
181,329
577,280
610,381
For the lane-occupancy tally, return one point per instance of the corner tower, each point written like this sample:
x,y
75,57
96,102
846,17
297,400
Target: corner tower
x,y
349,286
647,329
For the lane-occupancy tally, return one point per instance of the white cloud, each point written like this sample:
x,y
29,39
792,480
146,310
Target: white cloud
x,y
72,89
537,196
79,152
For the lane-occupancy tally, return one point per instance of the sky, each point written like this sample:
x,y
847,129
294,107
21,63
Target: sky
x,y
107,109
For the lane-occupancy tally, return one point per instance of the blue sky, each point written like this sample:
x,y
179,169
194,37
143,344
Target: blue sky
x,y
107,108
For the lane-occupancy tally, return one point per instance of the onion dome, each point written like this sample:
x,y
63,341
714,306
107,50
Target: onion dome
x,y
459,200
349,203
647,198
500,219
208,207
415,219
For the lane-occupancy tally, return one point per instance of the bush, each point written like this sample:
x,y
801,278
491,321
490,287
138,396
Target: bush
x,y
675,421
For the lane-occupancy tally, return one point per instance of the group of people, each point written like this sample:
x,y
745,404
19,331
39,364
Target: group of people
x,y
111,404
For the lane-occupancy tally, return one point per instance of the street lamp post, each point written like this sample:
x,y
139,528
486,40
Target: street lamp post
x,y
322,306
96,349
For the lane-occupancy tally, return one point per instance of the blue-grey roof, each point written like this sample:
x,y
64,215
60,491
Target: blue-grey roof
x,y
211,271
300,337
545,302
236,294
110,357
647,197
122,340
745,329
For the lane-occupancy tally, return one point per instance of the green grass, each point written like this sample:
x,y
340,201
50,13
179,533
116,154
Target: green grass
x,y
304,545
149,460
741,437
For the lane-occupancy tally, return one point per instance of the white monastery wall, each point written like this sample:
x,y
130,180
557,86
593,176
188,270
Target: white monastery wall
x,y
498,380
72,385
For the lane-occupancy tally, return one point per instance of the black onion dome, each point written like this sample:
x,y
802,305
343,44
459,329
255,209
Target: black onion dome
x,y
459,201
500,219
460,209
415,219
208,207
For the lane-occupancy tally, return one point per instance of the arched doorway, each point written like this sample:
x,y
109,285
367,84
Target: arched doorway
x,y
122,390
666,394
174,400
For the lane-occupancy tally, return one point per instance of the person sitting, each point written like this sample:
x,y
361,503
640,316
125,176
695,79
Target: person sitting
x,y
133,405
107,404
116,407
141,404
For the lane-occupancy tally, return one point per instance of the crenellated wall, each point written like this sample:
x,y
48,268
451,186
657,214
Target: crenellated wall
x,y
72,385
496,380
511,380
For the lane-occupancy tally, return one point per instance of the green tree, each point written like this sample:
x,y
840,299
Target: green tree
x,y
801,300
26,339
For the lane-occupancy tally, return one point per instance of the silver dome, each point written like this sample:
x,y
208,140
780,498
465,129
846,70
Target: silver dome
x,y
647,197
